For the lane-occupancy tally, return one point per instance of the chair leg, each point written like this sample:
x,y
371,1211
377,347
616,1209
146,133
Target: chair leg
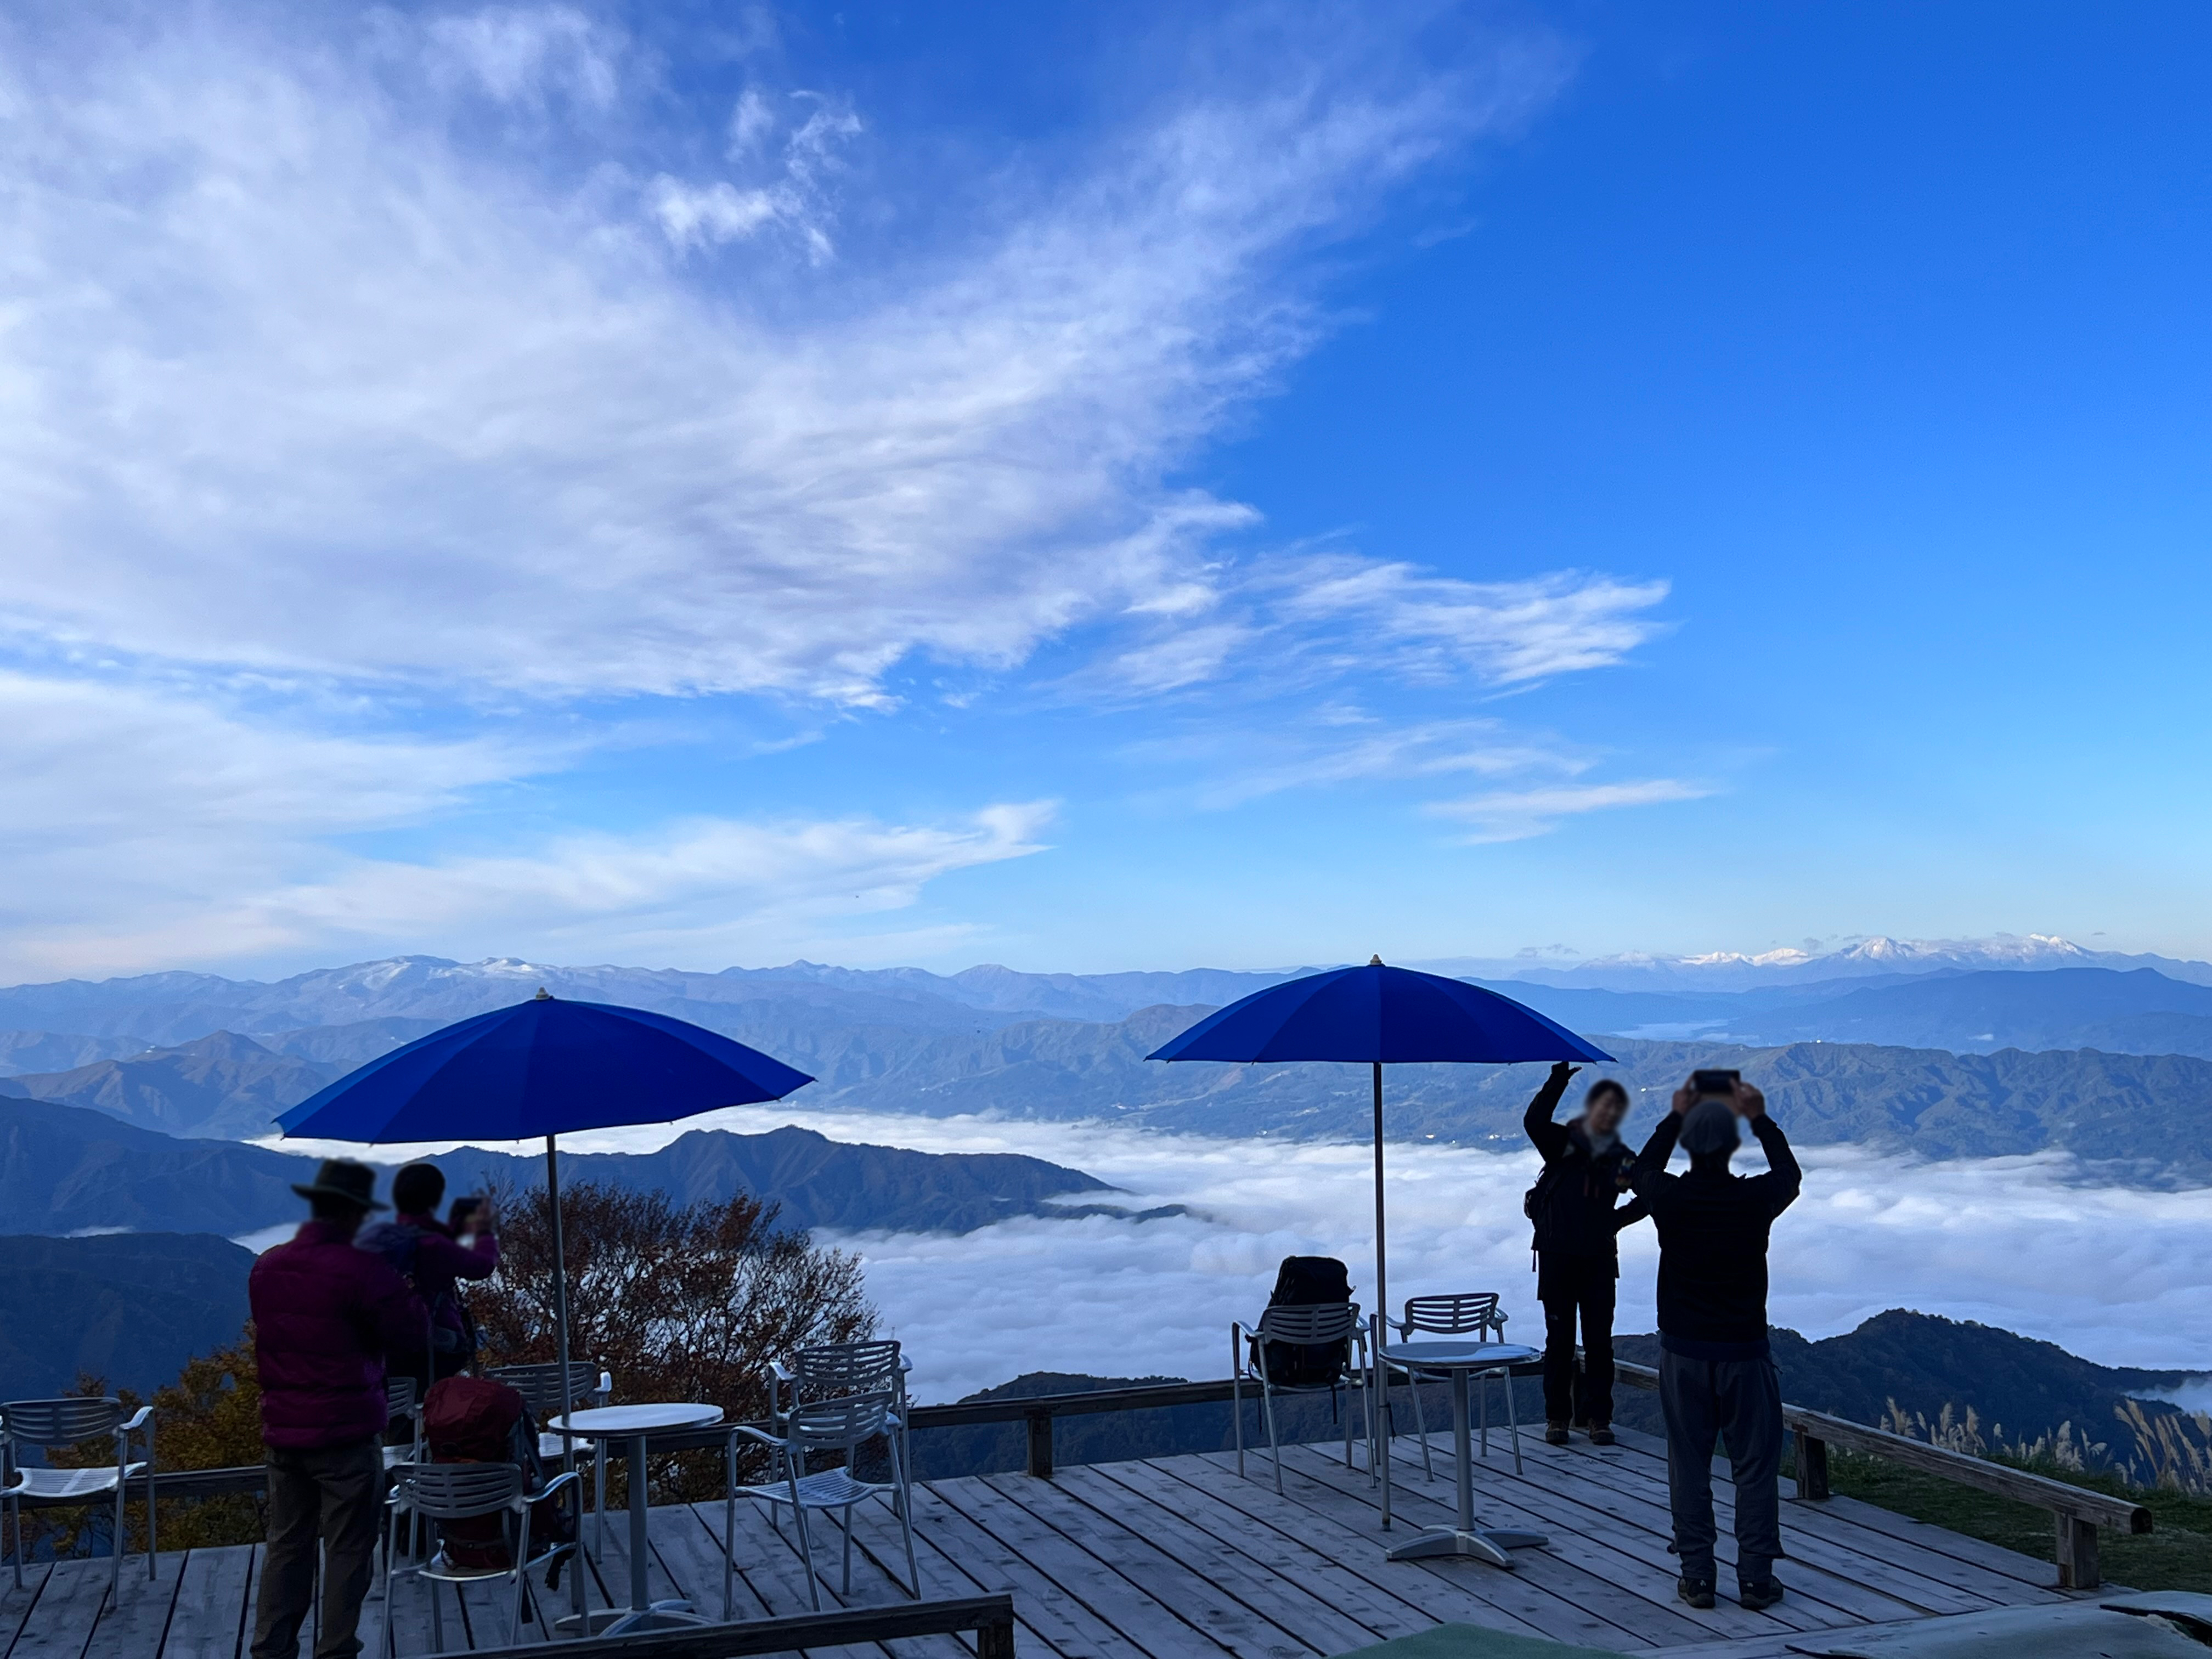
x,y
115,1554
521,1582
1421,1428
805,1546
1513,1417
599,1498
1482,1403
903,1487
1236,1413
1267,1410
845,1582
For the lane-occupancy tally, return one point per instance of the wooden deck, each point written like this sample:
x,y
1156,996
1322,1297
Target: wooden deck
x,y
1172,1559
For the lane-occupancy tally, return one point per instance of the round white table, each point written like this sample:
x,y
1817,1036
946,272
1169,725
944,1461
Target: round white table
x,y
638,1425
1462,1360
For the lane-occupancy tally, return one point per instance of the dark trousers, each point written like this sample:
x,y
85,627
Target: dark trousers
x,y
1738,1402
1568,1287
333,1495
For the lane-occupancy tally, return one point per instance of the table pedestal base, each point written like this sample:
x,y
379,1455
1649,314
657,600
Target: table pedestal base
x,y
1483,1543
634,1621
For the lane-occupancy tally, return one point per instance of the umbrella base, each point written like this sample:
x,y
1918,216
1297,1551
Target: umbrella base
x,y
1489,1544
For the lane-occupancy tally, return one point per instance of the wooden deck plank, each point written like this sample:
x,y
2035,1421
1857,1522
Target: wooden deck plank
x,y
1140,1618
1537,1599
1823,1592
692,1557
1622,1584
62,1620
1282,1599
15,1604
1279,1553
1928,1585
1175,1584
944,1574
1437,1599
133,1629
1065,1622
769,1561
1554,1569
1631,1559
2004,1574
211,1611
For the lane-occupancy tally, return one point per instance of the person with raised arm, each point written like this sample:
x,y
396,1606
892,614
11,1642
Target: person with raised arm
x,y
1576,1230
1716,1377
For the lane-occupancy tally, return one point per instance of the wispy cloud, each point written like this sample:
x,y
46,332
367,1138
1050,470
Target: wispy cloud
x,y
1519,814
360,403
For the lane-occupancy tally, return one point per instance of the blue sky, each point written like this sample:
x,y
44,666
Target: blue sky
x,y
1100,489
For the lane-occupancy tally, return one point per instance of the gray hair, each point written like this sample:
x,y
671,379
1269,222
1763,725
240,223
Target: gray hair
x,y
1710,1126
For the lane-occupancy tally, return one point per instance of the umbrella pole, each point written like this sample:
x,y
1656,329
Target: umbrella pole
x,y
560,1297
1381,1278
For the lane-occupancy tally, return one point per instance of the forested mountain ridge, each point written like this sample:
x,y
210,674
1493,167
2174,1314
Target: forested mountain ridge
x,y
64,1170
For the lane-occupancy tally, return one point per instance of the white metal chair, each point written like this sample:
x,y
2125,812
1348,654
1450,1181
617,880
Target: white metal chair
x,y
440,1492
541,1387
43,1423
1328,1324
835,1370
400,1404
823,1426
1463,1313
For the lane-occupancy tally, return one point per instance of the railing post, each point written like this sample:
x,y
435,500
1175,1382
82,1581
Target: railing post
x,y
995,1639
1812,1465
1041,1444
2077,1553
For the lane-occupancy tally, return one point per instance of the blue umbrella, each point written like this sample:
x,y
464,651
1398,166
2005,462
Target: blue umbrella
x,y
1381,1016
546,1067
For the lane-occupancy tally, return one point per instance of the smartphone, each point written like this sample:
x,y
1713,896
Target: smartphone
x,y
462,1210
1715,1083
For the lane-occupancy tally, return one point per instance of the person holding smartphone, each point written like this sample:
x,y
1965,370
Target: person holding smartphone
x,y
1716,1377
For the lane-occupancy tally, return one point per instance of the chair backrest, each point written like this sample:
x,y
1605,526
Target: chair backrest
x,y
540,1385
1329,1322
456,1491
400,1396
830,1368
1454,1314
840,1424
58,1422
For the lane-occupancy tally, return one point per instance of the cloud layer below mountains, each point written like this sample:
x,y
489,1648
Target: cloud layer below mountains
x,y
2108,1273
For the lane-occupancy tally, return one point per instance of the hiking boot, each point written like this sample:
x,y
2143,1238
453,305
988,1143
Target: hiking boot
x,y
1600,1435
1698,1592
1555,1434
1757,1596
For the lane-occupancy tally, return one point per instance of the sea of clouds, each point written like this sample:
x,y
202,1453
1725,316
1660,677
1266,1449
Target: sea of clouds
x,y
2113,1273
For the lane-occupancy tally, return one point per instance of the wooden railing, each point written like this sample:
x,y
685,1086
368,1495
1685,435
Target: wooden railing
x,y
990,1617
2076,1511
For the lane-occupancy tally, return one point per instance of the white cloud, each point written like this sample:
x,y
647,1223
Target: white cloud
x,y
289,381
143,825
1518,814
2021,1243
524,54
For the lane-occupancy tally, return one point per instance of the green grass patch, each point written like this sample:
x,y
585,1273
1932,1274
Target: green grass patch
x,y
2177,1554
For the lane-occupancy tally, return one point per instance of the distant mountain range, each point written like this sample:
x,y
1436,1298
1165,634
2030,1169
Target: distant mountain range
x,y
66,1169
130,1308
2110,1063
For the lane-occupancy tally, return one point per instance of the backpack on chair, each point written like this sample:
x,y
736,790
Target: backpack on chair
x,y
473,1420
1308,1281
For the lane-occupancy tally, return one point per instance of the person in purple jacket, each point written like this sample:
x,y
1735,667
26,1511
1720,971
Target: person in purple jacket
x,y
324,1313
428,1253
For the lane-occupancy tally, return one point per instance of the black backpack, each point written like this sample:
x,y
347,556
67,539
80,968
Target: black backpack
x,y
1308,1281
1532,1202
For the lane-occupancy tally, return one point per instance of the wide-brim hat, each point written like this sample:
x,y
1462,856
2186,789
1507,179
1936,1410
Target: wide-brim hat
x,y
342,1178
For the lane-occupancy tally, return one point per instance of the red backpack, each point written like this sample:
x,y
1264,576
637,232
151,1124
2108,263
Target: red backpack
x,y
473,1420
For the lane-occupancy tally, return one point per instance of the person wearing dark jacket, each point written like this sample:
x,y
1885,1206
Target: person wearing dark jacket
x,y
1717,1379
1577,1251
324,1313
429,1255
